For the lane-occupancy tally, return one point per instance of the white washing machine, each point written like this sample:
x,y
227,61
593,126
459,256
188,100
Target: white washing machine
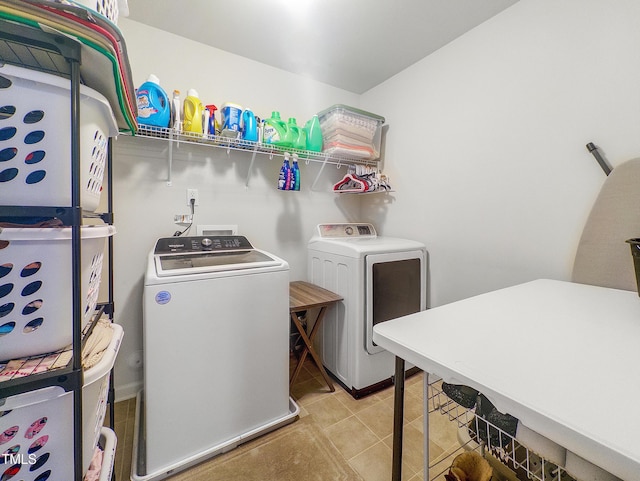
x,y
380,278
216,351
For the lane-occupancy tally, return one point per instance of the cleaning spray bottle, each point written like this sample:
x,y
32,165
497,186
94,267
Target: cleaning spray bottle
x,y
210,120
295,174
193,112
284,180
153,104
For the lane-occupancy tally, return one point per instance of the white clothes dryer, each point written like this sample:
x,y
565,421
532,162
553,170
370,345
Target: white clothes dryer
x,y
216,351
380,278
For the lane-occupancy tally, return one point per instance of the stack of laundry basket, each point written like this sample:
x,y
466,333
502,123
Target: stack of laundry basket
x,y
53,391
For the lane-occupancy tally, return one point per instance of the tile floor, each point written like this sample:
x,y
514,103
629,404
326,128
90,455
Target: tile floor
x,y
361,430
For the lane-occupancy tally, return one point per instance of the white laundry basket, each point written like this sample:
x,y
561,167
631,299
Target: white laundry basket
x,y
35,140
36,428
108,442
94,396
36,308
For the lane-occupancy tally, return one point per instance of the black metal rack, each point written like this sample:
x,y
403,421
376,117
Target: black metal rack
x,y
60,55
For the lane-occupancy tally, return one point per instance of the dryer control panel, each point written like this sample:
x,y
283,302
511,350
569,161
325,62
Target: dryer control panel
x,y
347,230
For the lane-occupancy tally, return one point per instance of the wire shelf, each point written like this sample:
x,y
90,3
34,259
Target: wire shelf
x,y
13,369
510,459
231,143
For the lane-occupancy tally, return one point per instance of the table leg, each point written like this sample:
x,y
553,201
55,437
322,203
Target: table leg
x,y
398,419
425,395
296,371
308,348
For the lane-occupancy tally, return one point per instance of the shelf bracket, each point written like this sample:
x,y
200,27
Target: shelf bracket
x,y
324,164
170,159
253,159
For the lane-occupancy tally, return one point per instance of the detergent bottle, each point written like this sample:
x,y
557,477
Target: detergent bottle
x,y
301,141
314,134
153,104
249,126
210,119
293,132
284,179
274,130
231,118
176,111
193,113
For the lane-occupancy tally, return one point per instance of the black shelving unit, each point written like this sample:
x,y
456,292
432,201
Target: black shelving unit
x,y
60,55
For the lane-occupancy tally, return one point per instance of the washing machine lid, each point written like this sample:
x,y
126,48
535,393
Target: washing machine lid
x,y
174,256
357,240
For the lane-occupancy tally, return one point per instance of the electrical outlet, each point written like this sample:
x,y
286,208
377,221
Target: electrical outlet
x,y
192,194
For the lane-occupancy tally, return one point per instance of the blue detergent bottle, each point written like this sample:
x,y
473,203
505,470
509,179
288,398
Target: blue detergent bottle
x,y
284,179
295,174
249,126
153,104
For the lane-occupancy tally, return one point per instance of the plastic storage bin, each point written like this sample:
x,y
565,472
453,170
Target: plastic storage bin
x,y
351,133
36,428
35,145
36,308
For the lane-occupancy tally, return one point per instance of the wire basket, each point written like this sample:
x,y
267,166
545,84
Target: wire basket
x,y
106,8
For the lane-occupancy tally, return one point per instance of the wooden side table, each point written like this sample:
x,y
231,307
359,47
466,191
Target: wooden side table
x,y
302,297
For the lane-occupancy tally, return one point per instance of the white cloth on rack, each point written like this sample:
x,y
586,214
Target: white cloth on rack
x,y
97,343
95,468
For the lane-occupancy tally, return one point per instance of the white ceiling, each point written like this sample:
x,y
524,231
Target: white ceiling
x,y
350,44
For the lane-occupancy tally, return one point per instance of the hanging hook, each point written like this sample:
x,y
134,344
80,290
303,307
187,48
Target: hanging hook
x,y
591,147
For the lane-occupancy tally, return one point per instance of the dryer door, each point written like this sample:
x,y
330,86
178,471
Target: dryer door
x,y
396,287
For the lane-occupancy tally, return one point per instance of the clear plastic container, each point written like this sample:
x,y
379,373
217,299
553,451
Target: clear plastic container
x,y
351,133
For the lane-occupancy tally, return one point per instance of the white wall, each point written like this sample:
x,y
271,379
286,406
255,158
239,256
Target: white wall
x,y
144,205
486,141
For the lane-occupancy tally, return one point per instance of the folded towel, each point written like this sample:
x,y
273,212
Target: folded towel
x,y
97,343
349,151
39,222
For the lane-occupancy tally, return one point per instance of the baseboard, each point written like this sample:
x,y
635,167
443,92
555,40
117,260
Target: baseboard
x,y
128,391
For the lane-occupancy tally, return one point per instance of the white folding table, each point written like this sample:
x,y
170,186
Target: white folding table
x,y
563,358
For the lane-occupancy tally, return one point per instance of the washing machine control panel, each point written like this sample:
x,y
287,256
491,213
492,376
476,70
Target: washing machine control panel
x,y
177,245
346,230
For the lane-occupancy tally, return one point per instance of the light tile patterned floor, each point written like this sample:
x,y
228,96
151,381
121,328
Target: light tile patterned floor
x,y
361,430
